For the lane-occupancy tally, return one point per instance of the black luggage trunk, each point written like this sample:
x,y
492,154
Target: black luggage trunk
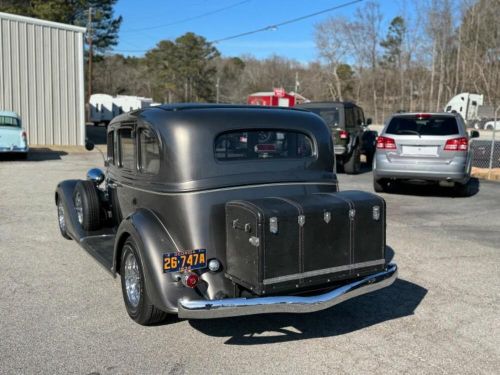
x,y
285,244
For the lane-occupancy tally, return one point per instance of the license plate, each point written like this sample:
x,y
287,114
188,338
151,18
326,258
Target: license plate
x,y
420,150
185,260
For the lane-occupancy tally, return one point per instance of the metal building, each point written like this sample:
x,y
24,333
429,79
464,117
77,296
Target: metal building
x,y
41,78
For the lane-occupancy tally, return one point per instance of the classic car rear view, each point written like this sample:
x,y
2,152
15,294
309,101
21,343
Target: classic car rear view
x,y
210,211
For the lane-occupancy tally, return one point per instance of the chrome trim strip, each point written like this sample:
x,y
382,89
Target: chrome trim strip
x,y
209,309
323,271
229,188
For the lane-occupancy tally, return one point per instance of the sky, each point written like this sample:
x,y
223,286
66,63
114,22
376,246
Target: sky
x,y
146,22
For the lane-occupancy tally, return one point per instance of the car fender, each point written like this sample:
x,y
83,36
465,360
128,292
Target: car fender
x,y
154,240
64,193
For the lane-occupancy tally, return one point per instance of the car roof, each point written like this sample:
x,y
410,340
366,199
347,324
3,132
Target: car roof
x,y
326,104
9,114
195,106
433,114
188,133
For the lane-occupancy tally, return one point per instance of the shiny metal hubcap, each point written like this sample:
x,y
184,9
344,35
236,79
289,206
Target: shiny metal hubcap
x,y
132,280
78,207
60,217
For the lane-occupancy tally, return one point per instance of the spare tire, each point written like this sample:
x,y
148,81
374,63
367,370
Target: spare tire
x,y
87,205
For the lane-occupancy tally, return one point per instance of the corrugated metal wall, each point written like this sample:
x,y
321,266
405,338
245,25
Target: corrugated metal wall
x,y
41,78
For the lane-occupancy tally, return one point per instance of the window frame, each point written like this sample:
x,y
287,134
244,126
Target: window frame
x,y
140,169
312,139
111,147
133,130
352,125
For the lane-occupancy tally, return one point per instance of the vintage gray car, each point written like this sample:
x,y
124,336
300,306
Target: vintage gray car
x,y
211,211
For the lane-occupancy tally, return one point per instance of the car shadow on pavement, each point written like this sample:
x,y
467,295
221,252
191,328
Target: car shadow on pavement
x,y
432,190
397,301
35,155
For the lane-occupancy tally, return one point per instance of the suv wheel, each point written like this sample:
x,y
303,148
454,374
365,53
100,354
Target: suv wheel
x,y
135,294
379,185
353,164
463,190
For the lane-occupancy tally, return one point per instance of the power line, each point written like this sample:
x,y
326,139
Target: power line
x,y
271,27
287,22
189,18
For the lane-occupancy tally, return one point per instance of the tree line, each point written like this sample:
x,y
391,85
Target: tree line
x,y
431,51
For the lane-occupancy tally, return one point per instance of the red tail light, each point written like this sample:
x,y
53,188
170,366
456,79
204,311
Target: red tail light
x,y
386,143
457,144
24,135
423,116
343,134
190,280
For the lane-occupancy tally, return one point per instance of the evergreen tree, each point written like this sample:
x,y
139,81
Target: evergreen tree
x,y
184,68
393,42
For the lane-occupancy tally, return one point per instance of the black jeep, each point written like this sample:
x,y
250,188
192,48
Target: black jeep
x,y
347,122
210,211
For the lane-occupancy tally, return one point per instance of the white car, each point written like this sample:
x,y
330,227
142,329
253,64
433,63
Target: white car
x,y
13,138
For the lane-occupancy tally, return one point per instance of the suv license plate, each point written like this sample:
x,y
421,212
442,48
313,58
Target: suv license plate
x,y
184,261
420,150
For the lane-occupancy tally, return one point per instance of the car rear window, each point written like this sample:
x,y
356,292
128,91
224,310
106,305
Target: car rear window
x,y
9,121
329,115
262,144
423,126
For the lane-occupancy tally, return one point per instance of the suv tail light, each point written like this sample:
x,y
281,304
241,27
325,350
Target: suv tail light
x,y
386,143
423,116
24,135
343,134
457,144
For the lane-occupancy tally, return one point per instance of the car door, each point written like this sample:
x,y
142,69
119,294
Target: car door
x,y
124,170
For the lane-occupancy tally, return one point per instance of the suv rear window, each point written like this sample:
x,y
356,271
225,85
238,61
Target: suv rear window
x,y
262,144
330,115
423,126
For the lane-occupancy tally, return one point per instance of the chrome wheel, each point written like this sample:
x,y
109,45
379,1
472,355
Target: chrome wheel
x,y
60,217
132,279
79,207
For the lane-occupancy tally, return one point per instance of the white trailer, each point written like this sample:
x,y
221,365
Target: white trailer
x,y
467,105
103,107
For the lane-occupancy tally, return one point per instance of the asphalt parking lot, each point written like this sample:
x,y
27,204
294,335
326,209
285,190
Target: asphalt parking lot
x,y
60,312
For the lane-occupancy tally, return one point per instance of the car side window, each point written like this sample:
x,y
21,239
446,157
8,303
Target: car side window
x,y
111,147
126,140
149,152
349,117
361,117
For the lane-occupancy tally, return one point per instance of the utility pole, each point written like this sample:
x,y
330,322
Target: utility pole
x,y
91,52
297,83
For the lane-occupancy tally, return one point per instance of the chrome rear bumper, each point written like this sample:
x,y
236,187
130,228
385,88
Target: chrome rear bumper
x,y
209,309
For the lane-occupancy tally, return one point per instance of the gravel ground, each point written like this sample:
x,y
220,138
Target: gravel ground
x,y
60,312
